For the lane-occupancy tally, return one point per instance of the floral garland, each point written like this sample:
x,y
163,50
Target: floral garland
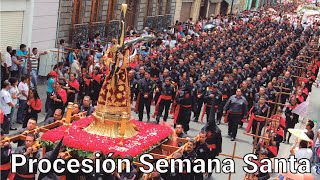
x,y
84,143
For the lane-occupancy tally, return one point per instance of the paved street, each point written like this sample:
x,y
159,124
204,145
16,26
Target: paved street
x,y
244,142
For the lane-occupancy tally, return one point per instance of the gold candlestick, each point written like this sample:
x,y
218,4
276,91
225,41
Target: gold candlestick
x,y
69,112
124,118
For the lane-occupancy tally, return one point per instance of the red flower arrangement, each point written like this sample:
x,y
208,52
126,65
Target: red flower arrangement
x,y
76,138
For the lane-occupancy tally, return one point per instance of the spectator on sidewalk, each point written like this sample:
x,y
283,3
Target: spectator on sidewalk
x,y
6,64
24,89
22,56
50,84
35,58
33,107
57,116
86,107
6,104
15,94
15,64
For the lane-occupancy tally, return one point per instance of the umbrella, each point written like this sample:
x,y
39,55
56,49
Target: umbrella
x,y
301,109
300,134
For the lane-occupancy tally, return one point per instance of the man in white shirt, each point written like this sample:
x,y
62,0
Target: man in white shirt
x,y
35,57
301,152
6,104
170,42
75,67
6,64
24,90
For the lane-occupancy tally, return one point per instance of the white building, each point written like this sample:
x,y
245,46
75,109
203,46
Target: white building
x,y
30,22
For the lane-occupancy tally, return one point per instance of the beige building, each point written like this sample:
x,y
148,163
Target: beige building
x,y
81,19
185,9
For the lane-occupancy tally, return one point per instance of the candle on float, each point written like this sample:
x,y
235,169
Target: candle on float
x,y
69,113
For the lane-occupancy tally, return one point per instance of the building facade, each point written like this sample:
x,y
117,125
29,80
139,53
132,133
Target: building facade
x,y
81,19
196,9
41,23
31,22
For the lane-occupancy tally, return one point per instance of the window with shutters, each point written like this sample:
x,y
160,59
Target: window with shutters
x,y
111,10
168,6
77,12
150,11
160,5
11,29
96,11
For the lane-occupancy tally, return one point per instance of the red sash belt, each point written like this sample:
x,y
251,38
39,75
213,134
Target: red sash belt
x,y
136,107
204,111
224,96
212,146
226,120
25,176
63,177
253,117
154,78
216,106
177,110
4,167
164,97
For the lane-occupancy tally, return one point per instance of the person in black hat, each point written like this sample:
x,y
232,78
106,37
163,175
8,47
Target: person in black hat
x,y
186,103
5,156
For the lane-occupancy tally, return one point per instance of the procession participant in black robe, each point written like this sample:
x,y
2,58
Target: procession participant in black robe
x,y
124,175
246,92
155,73
84,85
288,83
165,100
202,150
259,109
213,138
95,85
271,93
233,84
224,88
260,93
186,102
30,152
201,86
291,118
133,86
236,107
6,150
190,154
74,88
146,87
212,98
